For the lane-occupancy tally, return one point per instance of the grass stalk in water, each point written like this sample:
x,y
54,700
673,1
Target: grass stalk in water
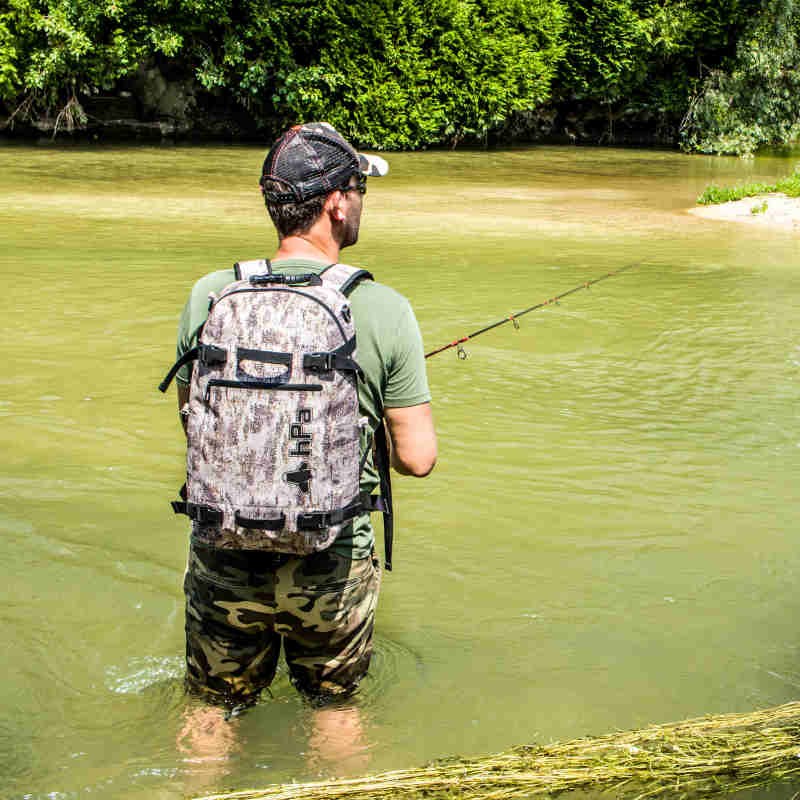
x,y
709,755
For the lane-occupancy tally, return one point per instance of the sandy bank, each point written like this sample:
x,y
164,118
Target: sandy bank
x,y
780,212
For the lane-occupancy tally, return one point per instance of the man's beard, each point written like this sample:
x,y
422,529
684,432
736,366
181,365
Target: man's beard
x,y
350,230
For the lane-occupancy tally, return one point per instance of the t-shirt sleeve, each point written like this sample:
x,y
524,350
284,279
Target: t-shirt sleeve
x,y
406,380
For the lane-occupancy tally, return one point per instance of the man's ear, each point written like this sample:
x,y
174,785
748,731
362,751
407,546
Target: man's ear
x,y
334,206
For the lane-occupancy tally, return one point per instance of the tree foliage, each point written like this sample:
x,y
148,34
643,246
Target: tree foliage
x,y
389,73
756,101
410,73
646,54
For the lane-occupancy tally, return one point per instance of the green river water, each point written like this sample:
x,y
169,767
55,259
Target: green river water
x,y
609,539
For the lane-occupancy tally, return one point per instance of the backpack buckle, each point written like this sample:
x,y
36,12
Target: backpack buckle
x,y
312,522
210,354
319,362
203,515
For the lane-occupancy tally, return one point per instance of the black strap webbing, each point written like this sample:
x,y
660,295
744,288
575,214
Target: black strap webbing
x,y
189,355
348,348
205,515
263,356
282,279
313,521
206,353
382,463
334,359
319,520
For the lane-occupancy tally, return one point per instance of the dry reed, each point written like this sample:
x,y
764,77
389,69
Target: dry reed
x,y
708,755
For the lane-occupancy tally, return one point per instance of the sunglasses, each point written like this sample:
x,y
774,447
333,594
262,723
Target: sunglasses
x,y
360,187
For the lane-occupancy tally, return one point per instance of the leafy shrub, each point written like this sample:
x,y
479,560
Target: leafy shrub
x,y
646,56
401,73
389,73
757,101
790,186
410,73
713,195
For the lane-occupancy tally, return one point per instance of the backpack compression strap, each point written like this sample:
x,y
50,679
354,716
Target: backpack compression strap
x,y
205,353
334,359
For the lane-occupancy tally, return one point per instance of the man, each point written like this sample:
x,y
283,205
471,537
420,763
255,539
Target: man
x,y
241,604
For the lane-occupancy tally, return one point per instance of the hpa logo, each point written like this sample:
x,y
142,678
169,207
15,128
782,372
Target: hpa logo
x,y
300,445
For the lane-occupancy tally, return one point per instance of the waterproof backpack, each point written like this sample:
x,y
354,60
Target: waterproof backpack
x,y
273,429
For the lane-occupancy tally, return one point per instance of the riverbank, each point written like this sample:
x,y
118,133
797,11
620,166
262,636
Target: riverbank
x,y
150,107
772,210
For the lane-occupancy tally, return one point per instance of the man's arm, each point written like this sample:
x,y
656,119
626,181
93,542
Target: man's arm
x,y
413,439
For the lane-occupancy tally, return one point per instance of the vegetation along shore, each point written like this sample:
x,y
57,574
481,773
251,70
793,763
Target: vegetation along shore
x,y
715,76
774,205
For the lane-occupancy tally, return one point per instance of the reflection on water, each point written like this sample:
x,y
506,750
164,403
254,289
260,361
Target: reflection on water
x,y
207,743
338,742
143,673
607,541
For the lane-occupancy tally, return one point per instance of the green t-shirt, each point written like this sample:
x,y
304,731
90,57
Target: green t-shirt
x,y
389,351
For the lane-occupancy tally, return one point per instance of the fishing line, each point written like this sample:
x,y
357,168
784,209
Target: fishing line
x,y
462,353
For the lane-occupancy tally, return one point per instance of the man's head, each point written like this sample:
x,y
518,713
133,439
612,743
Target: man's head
x,y
303,169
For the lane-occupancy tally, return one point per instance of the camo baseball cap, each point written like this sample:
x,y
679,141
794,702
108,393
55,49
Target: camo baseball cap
x,y
313,159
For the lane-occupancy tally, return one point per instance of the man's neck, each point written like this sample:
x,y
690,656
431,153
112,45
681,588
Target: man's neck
x,y
308,246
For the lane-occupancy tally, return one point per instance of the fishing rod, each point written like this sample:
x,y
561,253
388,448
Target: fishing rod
x,y
462,353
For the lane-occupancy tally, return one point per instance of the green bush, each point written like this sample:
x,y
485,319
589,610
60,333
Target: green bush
x,y
51,51
790,186
713,195
757,101
395,73
452,69
411,73
645,57
389,73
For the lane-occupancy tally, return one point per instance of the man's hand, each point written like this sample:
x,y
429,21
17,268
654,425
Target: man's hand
x,y
413,439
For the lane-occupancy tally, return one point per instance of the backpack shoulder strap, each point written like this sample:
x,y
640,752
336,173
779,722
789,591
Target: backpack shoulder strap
x,y
344,277
246,269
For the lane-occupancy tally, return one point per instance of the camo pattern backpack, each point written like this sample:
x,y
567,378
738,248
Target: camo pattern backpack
x,y
273,418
